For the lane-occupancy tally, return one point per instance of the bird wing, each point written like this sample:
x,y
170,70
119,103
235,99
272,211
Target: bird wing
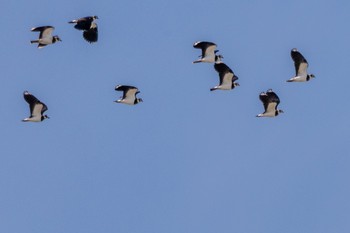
x,y
84,23
264,99
91,35
301,69
225,73
206,47
44,107
209,51
45,31
31,100
270,107
131,93
273,97
270,101
300,63
127,90
36,107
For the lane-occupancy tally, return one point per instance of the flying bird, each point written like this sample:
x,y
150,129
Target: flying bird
x,y
129,95
45,36
208,51
271,102
301,66
36,107
226,75
88,26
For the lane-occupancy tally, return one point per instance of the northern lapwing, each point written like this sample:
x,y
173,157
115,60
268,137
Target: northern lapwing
x,y
45,36
36,107
208,51
301,66
89,27
129,95
226,75
271,102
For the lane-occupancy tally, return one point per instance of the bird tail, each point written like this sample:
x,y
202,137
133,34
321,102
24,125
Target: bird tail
x,y
34,41
213,89
73,21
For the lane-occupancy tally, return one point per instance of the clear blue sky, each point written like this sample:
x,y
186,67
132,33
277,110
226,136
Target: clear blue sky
x,y
186,160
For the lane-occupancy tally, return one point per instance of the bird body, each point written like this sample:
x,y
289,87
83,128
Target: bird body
x,y
301,66
129,95
45,36
208,51
36,107
270,101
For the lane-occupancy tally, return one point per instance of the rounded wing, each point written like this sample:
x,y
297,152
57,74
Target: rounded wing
x,y
91,35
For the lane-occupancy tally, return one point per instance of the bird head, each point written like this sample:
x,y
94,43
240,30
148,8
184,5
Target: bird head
x,y
138,100
95,17
57,38
45,117
312,76
218,58
236,84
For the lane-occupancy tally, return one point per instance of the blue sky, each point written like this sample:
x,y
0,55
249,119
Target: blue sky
x,y
186,159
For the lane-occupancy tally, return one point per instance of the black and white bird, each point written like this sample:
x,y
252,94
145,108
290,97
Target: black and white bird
x,y
36,107
301,66
88,26
208,51
129,95
45,36
271,102
226,75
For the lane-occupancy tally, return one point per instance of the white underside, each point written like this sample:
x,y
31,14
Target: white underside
x,y
298,79
33,119
208,59
46,40
223,87
267,114
126,101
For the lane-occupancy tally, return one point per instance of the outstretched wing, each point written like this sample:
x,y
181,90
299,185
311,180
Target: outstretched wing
x,y
300,63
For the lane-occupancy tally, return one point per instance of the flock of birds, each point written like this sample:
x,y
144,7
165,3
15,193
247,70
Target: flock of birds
x,y
209,54
228,78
